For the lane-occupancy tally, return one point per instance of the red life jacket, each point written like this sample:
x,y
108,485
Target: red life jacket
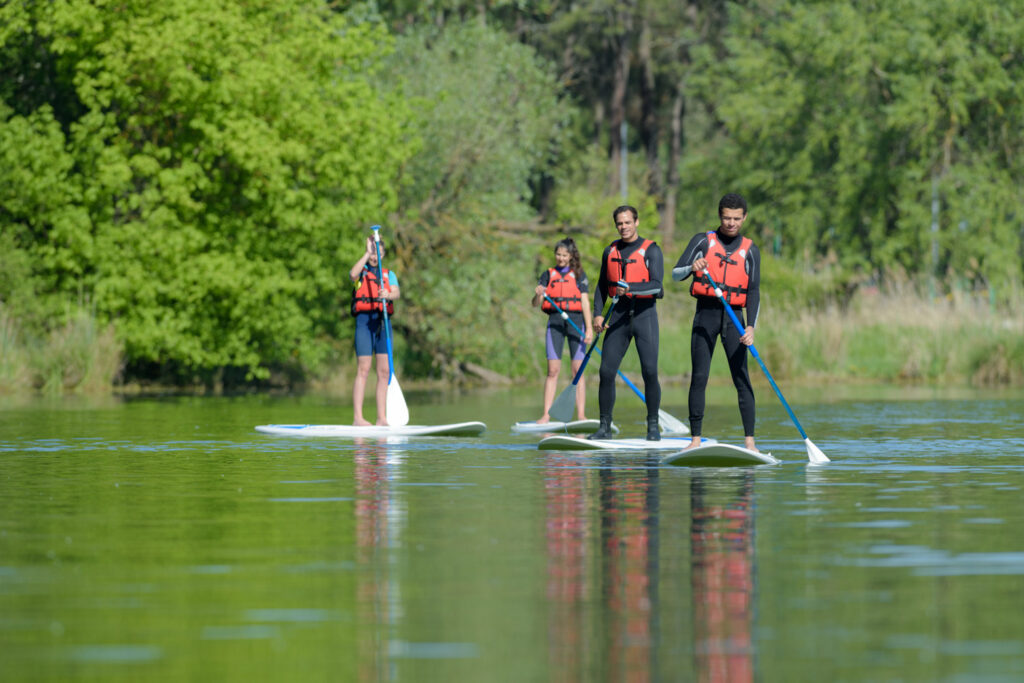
x,y
728,270
565,291
366,298
633,269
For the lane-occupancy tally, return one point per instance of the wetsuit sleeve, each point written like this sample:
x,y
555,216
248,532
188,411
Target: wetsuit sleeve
x,y
754,285
601,291
582,282
655,271
698,246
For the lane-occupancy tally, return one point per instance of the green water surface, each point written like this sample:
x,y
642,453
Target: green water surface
x,y
165,539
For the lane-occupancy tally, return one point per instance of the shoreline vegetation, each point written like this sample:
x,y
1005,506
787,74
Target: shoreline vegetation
x,y
896,334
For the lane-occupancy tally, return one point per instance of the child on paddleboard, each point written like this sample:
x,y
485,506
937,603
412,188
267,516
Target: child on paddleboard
x,y
368,300
561,292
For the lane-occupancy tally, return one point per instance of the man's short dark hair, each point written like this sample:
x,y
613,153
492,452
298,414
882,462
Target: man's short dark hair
x,y
625,207
732,201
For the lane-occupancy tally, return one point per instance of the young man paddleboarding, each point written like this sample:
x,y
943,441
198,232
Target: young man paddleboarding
x,y
632,269
734,262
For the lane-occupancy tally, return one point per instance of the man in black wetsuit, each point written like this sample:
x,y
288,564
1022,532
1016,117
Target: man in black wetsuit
x,y
639,264
734,262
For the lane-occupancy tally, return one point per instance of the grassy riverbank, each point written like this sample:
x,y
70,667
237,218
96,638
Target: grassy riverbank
x,y
899,335
79,356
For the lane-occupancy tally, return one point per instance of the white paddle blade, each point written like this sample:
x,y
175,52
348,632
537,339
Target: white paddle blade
x,y
397,410
670,424
814,454
563,407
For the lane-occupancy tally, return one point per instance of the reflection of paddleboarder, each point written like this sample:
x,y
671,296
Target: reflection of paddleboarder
x,y
722,557
379,520
568,537
629,534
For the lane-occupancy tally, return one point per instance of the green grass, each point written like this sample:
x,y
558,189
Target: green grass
x,y
78,356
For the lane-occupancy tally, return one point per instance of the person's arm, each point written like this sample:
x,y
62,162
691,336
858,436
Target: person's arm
x,y
542,286
395,292
753,306
588,319
697,248
357,269
601,291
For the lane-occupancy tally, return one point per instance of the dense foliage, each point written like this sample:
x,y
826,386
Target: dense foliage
x,y
200,174
196,171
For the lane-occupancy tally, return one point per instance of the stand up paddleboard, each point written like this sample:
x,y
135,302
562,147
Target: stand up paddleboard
x,y
350,431
577,426
575,443
719,455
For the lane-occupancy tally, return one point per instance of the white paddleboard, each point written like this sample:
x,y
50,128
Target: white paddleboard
x,y
575,426
575,443
349,431
719,455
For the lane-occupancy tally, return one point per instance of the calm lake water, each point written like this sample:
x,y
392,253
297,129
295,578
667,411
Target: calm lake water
x,y
164,539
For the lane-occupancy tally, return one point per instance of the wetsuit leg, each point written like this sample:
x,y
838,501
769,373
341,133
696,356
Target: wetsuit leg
x,y
736,352
707,324
616,341
645,334
577,349
554,341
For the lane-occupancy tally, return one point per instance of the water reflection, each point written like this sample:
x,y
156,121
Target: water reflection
x,y
722,574
380,518
602,569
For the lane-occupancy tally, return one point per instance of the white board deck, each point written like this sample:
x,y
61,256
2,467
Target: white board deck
x,y
575,443
576,426
719,455
350,431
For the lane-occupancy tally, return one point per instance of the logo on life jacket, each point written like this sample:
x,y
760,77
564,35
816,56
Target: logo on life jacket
x,y
565,291
632,269
728,270
366,298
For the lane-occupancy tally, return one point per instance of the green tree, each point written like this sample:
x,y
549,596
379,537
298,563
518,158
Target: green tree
x,y
489,117
845,122
222,161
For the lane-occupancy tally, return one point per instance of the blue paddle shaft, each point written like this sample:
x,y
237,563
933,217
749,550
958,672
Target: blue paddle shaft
x,y
753,351
565,316
384,303
593,344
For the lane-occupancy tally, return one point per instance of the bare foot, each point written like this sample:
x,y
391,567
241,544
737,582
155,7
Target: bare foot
x,y
382,423
544,420
360,422
748,443
694,442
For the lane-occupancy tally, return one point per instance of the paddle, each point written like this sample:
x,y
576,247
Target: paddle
x,y
562,408
814,453
669,423
397,412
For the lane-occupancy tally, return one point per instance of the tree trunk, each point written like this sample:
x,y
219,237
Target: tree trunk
x,y
650,134
620,82
668,215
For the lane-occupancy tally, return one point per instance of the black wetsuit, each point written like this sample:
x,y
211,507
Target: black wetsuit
x,y
710,321
631,319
